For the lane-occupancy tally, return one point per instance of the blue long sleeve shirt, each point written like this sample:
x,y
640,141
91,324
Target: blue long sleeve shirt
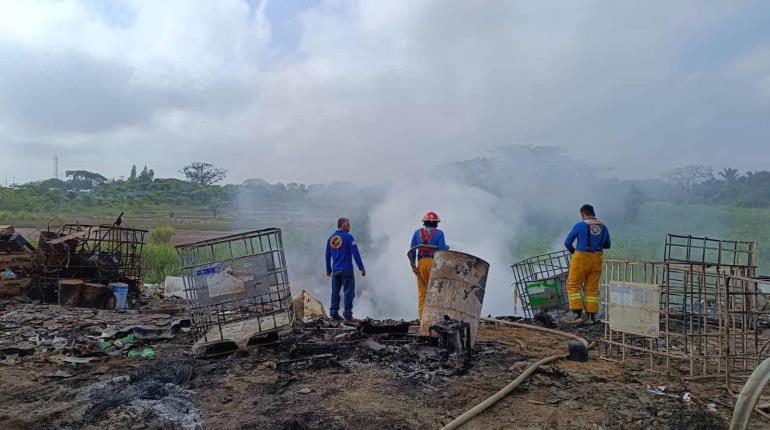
x,y
341,249
591,235
435,238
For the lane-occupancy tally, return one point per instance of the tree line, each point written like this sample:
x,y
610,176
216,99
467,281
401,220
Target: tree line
x,y
701,184
141,189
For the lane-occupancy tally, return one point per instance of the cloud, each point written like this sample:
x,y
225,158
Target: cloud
x,y
375,90
63,92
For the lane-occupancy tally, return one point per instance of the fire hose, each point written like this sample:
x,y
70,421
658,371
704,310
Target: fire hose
x,y
749,396
481,407
538,328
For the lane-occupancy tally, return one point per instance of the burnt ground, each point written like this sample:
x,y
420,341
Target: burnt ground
x,y
326,377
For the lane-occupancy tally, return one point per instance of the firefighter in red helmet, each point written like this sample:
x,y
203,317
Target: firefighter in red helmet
x,y
425,242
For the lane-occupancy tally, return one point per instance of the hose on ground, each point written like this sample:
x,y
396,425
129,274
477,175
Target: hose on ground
x,y
747,399
467,416
481,407
538,328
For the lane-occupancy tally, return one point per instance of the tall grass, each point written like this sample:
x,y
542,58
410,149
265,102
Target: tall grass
x,y
160,259
161,234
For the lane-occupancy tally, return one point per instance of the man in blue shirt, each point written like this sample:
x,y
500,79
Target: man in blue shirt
x,y
585,270
341,249
425,241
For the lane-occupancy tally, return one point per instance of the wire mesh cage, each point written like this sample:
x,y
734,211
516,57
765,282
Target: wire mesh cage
x,y
238,286
709,251
540,282
711,312
96,254
748,316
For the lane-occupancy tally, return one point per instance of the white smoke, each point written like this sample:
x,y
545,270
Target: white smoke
x,y
472,221
490,206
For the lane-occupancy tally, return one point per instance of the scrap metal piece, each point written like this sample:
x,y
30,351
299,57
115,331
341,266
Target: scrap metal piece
x,y
369,326
453,335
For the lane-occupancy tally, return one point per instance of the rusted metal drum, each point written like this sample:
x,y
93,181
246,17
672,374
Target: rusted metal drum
x,y
94,295
455,289
70,291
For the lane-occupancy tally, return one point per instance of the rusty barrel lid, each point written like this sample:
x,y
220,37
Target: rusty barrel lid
x,y
71,282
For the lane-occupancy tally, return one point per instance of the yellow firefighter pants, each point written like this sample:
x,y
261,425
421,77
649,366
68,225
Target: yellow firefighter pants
x,y
424,265
585,272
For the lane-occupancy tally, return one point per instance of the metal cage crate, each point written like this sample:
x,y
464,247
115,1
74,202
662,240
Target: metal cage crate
x,y
540,282
238,286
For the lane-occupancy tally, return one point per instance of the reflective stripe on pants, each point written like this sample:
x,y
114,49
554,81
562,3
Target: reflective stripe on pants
x,y
424,266
585,273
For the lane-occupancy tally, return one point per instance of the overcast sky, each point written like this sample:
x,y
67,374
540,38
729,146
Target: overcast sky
x,y
317,91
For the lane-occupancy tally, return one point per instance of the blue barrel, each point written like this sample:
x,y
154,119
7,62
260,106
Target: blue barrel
x,y
120,291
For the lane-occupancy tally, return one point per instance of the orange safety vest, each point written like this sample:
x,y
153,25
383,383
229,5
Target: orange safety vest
x,y
426,236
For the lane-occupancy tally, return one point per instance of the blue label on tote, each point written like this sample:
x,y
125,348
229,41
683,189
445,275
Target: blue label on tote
x,y
208,271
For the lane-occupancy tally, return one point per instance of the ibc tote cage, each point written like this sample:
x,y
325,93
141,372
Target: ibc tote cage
x,y
551,266
268,307
714,318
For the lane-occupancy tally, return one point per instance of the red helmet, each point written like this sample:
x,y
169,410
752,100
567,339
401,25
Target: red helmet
x,y
431,216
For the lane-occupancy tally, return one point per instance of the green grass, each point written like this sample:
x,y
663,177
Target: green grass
x,y
161,234
158,261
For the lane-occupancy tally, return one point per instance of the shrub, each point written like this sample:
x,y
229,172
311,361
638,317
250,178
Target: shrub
x,y
161,234
158,261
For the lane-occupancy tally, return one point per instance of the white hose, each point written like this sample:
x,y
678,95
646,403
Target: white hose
x,y
749,396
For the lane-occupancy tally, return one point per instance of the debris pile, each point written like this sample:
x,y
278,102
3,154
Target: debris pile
x,y
154,395
96,255
76,265
69,367
15,262
325,343
79,335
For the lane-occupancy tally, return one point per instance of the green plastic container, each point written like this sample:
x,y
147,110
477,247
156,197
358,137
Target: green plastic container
x,y
545,294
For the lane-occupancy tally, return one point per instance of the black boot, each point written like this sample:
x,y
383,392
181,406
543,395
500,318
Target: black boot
x,y
592,318
577,318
